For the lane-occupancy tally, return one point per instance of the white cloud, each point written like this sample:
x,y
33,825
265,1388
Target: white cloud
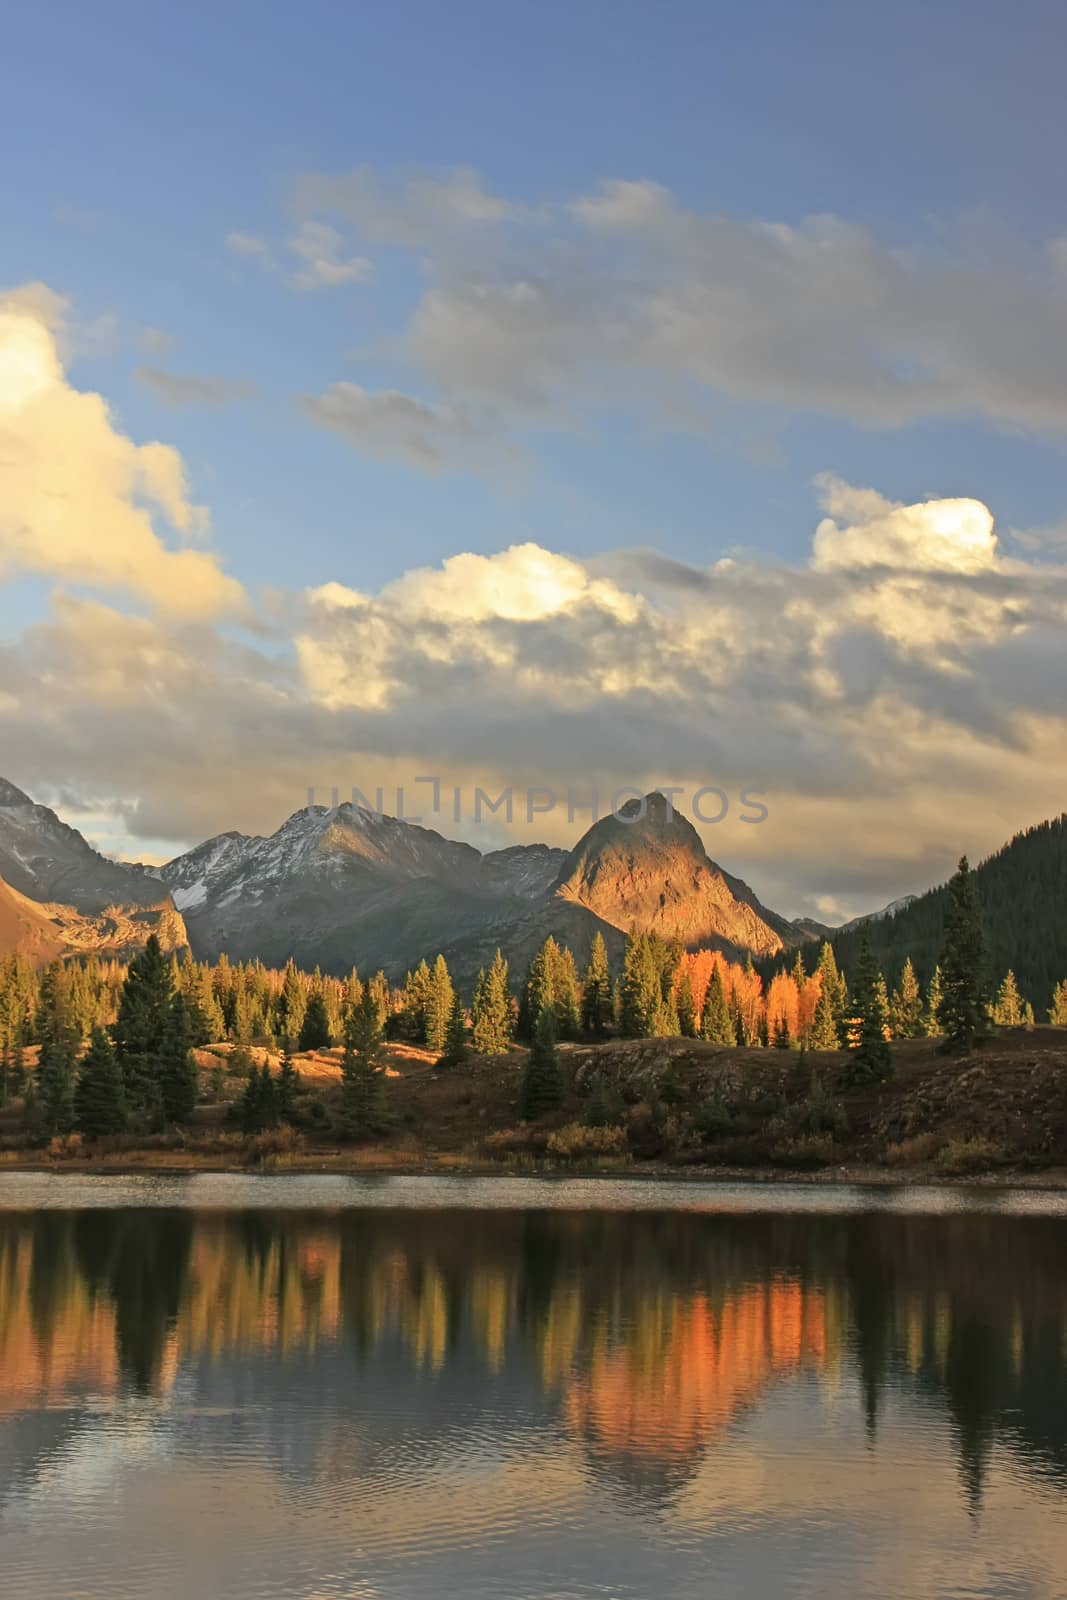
x,y
318,247
409,212
77,496
248,244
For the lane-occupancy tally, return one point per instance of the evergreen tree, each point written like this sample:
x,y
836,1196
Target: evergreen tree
x,y
596,991
268,1097
293,1003
250,1108
906,1006
315,1029
417,1002
455,1051
642,986
542,1080
491,1012
717,1024
99,1103
56,1032
288,1084
1008,1009
823,1034
439,1007
361,1071
964,1010
871,1056
686,1009
178,1079
932,1013
1057,1013
143,1017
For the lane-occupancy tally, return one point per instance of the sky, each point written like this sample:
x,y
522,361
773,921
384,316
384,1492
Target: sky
x,y
539,395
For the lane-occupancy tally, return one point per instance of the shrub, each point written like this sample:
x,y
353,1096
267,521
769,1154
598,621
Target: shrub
x,y
65,1146
283,1141
913,1152
818,1113
806,1150
526,1140
576,1142
971,1155
712,1119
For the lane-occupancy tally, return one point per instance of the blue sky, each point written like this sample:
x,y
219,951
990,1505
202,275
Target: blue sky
x,y
158,178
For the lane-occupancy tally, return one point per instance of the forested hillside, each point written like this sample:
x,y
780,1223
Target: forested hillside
x,y
1023,895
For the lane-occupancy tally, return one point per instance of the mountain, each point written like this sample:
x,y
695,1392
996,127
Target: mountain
x,y
876,916
59,896
1022,891
651,870
344,887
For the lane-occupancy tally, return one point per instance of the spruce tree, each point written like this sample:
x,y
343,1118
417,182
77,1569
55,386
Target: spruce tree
x,y
250,1106
542,1081
906,1006
99,1103
292,1003
361,1071
871,1056
641,989
686,1008
143,1017
315,1029
58,1038
1057,1013
717,1024
964,1009
932,1012
455,1051
824,1034
288,1084
491,1012
596,991
439,1006
178,1078
417,1003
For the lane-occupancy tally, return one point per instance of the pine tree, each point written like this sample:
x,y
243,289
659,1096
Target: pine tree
x,y
417,1002
717,1024
824,1029
54,1098
687,1013
542,1081
439,1007
99,1103
315,1029
1008,1008
250,1107
455,1051
964,1010
361,1071
1057,1014
268,1097
288,1084
642,988
293,1002
932,1013
596,991
906,1006
178,1078
491,1012
871,1056
143,1017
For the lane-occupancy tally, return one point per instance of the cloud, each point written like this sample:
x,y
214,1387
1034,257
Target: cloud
x,y
409,212
397,427
249,245
872,692
156,341
623,297
319,249
78,499
184,389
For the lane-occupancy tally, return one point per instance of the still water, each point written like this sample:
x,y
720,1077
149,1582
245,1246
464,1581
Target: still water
x,y
423,1389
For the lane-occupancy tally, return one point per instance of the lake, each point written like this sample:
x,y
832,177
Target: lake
x,y
512,1389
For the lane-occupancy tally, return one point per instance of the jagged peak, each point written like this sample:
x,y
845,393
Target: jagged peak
x,y
10,796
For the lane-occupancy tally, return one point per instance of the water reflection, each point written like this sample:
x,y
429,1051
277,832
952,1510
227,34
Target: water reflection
x,y
601,1361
